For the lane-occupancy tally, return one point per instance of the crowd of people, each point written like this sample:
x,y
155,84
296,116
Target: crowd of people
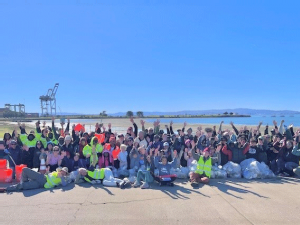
x,y
149,155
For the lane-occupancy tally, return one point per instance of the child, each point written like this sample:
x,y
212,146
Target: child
x,y
164,167
134,162
78,163
188,156
142,157
123,161
106,160
123,157
147,174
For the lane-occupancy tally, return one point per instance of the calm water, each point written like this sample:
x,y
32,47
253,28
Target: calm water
x,y
254,120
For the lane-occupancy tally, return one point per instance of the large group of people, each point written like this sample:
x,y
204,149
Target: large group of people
x,y
149,155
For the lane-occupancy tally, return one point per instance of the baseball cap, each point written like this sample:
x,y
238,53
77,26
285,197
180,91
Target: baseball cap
x,y
208,130
206,150
130,139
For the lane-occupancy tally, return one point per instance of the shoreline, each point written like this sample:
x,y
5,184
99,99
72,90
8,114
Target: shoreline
x,y
120,125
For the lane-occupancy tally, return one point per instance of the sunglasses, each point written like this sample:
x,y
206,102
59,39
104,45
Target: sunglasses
x,y
12,144
56,150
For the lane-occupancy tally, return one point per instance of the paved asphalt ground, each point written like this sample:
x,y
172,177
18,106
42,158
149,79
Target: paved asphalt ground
x,y
231,201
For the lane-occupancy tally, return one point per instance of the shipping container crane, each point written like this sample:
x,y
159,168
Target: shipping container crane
x,y
48,102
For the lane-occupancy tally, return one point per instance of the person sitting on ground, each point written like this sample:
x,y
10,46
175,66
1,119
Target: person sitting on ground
x,y
122,157
54,159
147,174
39,152
106,159
33,180
292,159
134,162
203,171
164,167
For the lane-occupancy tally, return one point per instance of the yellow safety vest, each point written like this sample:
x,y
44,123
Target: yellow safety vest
x,y
204,167
97,174
52,180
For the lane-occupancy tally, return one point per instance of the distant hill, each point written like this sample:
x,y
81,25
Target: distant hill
x,y
240,111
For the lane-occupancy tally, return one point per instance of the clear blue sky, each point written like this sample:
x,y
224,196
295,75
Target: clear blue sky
x,y
161,55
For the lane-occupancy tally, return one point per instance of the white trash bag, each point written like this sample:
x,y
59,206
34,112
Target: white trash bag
x,y
218,172
193,166
233,170
252,169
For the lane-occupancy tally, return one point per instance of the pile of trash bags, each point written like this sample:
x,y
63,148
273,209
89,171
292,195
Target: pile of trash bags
x,y
233,170
252,169
181,173
218,173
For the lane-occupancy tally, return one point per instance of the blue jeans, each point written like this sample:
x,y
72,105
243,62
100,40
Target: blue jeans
x,y
145,176
291,165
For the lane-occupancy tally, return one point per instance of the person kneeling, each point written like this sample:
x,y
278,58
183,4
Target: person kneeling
x,y
203,171
33,180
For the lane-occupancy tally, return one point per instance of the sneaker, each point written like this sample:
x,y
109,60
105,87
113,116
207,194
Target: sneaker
x,y
2,190
136,184
194,184
145,186
170,184
122,184
13,188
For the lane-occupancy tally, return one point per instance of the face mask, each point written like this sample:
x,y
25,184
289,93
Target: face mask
x,y
61,142
30,137
50,135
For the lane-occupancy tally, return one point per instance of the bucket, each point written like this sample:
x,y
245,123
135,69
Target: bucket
x,y
3,164
6,175
18,170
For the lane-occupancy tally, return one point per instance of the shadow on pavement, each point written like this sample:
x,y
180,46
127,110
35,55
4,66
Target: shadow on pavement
x,y
177,191
227,188
96,186
230,186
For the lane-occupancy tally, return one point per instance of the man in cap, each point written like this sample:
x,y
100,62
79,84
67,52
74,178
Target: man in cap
x,y
33,180
203,171
166,151
156,144
204,140
14,154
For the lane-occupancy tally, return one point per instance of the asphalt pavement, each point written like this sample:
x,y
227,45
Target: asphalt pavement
x,y
230,201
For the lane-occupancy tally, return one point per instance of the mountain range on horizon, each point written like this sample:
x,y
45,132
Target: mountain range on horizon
x,y
240,111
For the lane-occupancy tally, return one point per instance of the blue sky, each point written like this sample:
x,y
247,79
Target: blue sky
x,y
147,55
